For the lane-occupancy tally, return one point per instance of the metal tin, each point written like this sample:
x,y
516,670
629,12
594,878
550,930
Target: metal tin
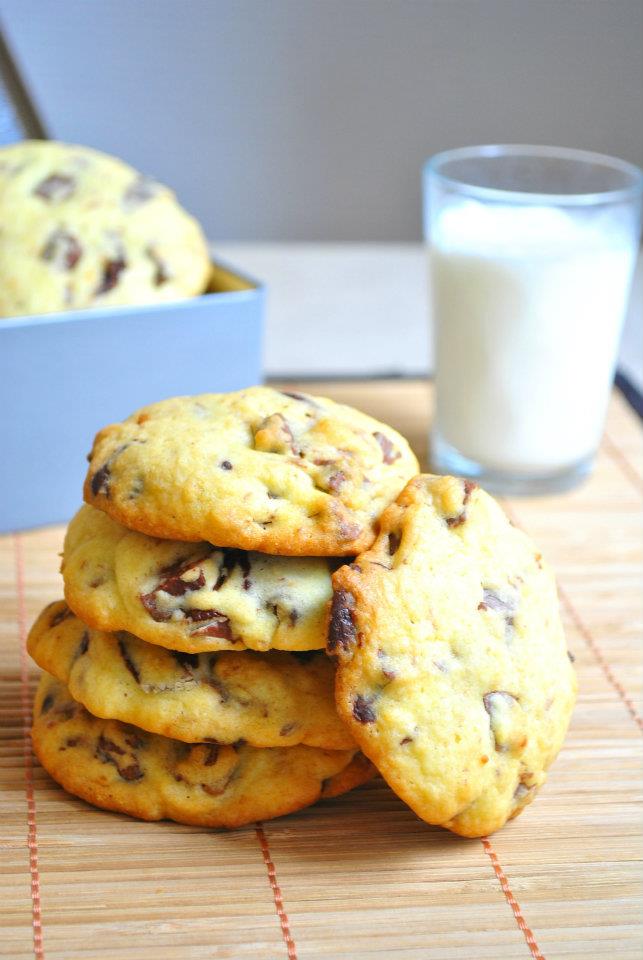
x,y
63,376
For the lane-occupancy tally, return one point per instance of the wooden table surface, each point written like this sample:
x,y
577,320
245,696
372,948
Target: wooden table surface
x,y
360,876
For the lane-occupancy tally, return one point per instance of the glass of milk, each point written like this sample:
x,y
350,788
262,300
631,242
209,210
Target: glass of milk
x,y
531,257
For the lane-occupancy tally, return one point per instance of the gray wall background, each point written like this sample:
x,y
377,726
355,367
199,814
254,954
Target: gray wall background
x,y
310,119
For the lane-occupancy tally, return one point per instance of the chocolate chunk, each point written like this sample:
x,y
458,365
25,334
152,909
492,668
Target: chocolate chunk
x,y
83,646
394,540
216,791
505,605
336,481
341,632
363,710
161,271
274,435
219,686
469,486
131,772
100,481
389,453
182,578
55,187
47,704
62,249
135,741
457,520
297,396
107,752
183,582
224,573
129,663
497,703
108,747
199,616
288,728
493,601
489,699
225,465
243,560
232,558
188,577
112,270
63,614
139,191
348,530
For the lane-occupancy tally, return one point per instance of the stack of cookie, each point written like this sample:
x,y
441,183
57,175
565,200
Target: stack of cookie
x,y
185,673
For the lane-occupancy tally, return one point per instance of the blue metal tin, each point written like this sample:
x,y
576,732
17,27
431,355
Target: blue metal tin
x,y
63,376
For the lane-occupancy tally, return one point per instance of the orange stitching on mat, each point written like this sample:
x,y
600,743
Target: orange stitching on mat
x,y
25,700
593,646
617,454
276,892
589,640
511,900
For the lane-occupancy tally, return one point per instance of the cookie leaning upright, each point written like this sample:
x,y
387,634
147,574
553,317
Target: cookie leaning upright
x,y
453,674
83,229
259,469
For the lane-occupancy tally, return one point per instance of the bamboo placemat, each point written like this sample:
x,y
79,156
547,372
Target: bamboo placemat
x,y
360,877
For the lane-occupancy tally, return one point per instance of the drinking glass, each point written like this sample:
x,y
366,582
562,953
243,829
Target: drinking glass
x,y
531,256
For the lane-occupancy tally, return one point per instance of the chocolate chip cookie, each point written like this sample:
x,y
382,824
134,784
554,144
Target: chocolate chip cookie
x,y
193,597
453,674
268,700
119,767
83,229
258,469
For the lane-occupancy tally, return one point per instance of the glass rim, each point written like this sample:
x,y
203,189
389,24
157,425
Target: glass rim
x,y
633,190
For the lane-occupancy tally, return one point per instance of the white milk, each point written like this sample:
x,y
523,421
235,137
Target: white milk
x,y
528,307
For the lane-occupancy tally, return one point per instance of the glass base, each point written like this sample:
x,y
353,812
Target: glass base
x,y
445,459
